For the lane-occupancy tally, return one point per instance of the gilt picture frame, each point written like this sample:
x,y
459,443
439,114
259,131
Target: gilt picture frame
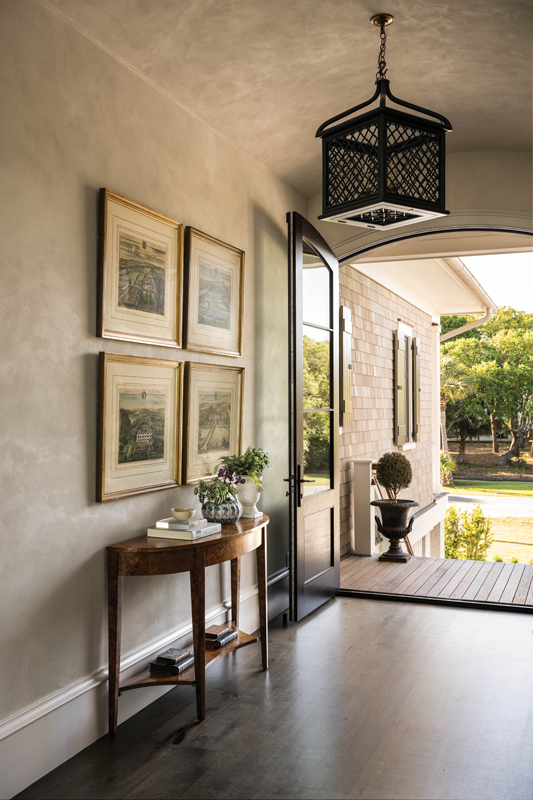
x,y
213,295
212,417
140,273
139,425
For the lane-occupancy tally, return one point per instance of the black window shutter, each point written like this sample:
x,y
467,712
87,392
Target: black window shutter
x,y
345,372
400,389
417,429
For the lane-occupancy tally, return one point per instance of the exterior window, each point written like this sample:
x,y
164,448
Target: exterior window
x,y
407,389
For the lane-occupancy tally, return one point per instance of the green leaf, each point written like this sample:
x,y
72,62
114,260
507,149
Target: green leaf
x,y
255,479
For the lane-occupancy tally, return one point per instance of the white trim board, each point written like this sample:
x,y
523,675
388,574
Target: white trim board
x,y
44,735
425,523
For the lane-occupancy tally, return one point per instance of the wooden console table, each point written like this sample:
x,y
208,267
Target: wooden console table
x,y
150,556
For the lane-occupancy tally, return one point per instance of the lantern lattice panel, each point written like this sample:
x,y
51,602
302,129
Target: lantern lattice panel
x,y
384,168
352,166
413,163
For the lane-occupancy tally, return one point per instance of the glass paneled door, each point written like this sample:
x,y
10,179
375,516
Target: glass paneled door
x,y
314,418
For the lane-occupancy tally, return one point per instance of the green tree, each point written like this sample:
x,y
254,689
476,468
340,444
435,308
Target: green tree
x,y
452,533
476,534
465,418
507,319
316,387
501,359
316,393
447,465
453,321
456,382
506,376
467,536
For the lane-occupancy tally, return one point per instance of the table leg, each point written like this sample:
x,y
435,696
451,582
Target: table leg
x,y
260,555
114,617
235,590
198,629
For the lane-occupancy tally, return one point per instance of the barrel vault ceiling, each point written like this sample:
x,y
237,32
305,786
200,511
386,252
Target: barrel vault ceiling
x,y
266,73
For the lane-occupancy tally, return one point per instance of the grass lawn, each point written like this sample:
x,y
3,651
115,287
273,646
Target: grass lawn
x,y
318,477
513,538
500,488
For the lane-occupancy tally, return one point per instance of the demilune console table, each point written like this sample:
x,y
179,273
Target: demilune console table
x,y
150,556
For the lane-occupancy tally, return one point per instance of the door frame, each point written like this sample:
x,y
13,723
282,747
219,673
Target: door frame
x,y
300,603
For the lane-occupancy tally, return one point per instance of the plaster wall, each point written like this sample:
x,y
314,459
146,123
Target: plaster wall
x,y
80,119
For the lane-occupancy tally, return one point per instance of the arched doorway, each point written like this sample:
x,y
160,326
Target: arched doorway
x,y
454,240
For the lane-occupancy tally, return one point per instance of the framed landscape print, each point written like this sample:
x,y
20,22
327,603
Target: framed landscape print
x,y
214,295
213,417
139,426
140,273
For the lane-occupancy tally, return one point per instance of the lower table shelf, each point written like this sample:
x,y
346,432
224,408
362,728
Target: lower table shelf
x,y
186,678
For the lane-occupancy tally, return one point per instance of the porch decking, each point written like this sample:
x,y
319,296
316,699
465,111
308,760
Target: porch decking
x,y
441,580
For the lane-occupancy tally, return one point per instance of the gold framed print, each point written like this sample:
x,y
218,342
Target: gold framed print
x,y
214,295
139,426
140,253
213,417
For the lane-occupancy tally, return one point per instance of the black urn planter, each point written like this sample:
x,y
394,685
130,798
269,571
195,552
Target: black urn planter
x,y
394,526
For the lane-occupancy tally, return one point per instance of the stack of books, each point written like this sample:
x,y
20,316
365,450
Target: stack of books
x,y
172,662
173,529
218,635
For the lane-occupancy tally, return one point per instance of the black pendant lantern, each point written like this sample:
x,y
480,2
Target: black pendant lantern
x,y
383,168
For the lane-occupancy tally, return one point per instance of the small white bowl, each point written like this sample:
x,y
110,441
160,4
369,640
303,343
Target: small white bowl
x,y
183,514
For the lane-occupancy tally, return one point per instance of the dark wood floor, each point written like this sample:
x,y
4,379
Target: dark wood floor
x,y
364,699
481,582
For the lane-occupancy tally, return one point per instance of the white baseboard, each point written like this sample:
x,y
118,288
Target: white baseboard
x,y
42,736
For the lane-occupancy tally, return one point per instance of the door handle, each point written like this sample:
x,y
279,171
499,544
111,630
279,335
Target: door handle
x,y
299,480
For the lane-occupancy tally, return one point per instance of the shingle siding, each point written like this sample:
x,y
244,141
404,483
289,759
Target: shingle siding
x,y
375,313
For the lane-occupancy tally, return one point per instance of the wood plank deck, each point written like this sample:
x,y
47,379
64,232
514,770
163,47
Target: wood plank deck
x,y
441,580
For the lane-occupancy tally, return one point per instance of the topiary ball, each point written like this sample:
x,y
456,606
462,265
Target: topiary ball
x,y
394,472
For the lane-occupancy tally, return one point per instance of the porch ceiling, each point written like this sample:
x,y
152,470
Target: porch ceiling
x,y
266,73
429,284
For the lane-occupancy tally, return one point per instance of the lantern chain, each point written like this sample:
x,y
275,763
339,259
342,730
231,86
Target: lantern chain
x,y
382,64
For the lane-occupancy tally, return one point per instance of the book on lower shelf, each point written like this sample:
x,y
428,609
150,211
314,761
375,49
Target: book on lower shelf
x,y
173,656
171,669
188,535
217,631
218,635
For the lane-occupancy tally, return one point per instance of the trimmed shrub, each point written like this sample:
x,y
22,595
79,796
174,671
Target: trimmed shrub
x,y
394,472
467,536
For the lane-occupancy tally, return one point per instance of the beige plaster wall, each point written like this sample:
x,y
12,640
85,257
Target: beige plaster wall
x,y
375,312
75,119
490,180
